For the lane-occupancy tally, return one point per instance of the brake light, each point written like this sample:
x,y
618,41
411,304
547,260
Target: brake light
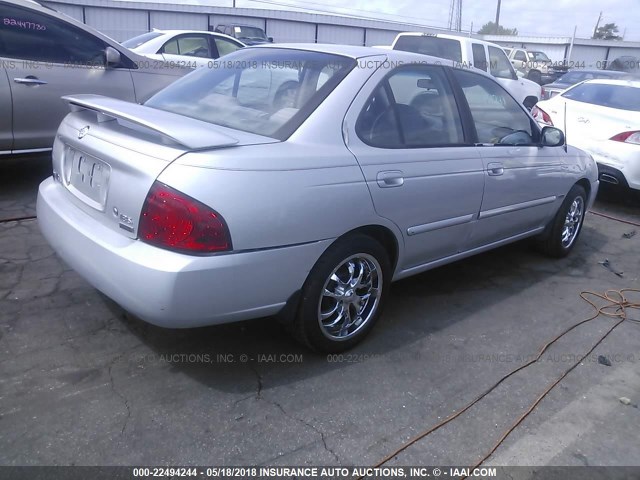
x,y
541,116
628,137
172,220
543,93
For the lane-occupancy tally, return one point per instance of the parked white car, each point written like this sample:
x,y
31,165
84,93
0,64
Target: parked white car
x,y
192,47
471,52
603,119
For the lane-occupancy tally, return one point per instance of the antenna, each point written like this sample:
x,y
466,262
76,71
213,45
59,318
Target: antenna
x,y
566,145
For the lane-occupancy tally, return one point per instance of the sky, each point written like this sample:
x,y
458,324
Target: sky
x,y
530,17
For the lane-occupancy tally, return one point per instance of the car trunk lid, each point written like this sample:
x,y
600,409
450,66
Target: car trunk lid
x,y
108,153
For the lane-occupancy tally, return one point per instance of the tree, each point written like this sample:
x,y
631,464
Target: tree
x,y
489,28
607,32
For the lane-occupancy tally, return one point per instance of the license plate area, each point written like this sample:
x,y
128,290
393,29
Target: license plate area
x,y
86,177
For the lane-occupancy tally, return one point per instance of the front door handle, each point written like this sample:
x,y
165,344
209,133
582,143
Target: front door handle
x,y
30,80
390,178
495,169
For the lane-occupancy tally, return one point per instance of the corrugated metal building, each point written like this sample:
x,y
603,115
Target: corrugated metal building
x,y
123,20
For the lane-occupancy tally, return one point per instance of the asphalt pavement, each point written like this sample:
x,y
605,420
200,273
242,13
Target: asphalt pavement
x,y
83,383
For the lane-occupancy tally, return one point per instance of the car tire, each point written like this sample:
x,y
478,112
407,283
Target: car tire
x,y
535,76
335,313
561,234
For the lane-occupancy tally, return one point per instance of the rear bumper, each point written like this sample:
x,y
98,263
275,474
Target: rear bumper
x,y
170,289
617,160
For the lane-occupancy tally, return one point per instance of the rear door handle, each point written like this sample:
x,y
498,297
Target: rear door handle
x,y
391,178
495,169
30,80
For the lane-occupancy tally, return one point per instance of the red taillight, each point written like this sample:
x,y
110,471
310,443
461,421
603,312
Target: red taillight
x,y
541,116
172,220
543,93
628,137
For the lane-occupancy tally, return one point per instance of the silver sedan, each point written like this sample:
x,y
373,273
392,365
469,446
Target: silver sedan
x,y
300,180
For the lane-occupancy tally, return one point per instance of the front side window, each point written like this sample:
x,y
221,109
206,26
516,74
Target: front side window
x,y
413,107
622,97
189,45
500,65
539,57
498,118
28,35
265,91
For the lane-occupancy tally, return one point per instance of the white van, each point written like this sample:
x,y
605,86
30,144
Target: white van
x,y
471,52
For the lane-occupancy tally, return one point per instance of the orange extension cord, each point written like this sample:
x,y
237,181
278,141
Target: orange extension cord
x,y
614,308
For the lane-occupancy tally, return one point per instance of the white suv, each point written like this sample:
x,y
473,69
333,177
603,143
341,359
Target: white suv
x,y
471,52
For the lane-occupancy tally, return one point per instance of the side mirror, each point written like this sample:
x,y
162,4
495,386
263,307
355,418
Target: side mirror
x,y
552,137
270,39
113,57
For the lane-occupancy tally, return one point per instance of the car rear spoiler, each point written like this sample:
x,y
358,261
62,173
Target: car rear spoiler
x,y
188,132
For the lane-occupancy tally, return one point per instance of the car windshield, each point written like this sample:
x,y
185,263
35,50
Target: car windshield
x,y
269,92
140,39
540,57
622,97
430,45
253,33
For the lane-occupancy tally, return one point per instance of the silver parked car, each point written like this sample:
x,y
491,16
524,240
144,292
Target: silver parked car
x,y
228,197
44,55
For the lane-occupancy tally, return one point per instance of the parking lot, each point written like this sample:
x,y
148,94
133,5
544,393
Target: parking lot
x,y
82,383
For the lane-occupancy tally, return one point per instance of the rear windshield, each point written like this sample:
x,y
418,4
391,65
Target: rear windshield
x,y
613,96
140,39
248,33
580,76
430,45
266,91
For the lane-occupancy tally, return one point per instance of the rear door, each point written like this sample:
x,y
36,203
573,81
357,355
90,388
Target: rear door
x,y
52,58
6,128
523,183
422,173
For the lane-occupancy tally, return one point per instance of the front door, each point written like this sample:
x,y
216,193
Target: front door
x,y
52,58
522,179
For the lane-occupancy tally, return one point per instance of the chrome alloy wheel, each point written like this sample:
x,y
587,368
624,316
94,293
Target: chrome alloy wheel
x,y
350,296
572,222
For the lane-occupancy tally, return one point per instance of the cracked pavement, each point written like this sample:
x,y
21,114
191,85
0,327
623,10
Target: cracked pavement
x,y
83,383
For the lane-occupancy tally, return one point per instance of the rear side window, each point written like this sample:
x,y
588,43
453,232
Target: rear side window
x,y
224,46
479,56
413,107
622,97
430,45
498,118
500,65
520,56
33,36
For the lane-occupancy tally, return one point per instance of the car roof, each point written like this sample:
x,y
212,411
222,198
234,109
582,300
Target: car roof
x,y
598,70
181,32
356,52
611,81
448,36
